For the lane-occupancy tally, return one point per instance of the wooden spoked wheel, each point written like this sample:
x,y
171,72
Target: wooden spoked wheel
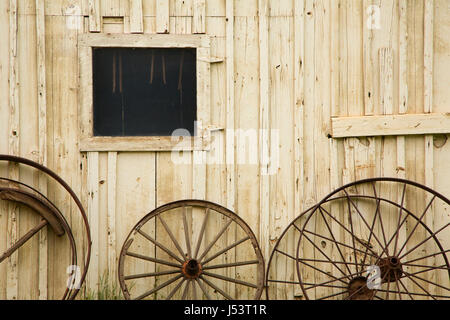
x,y
381,238
18,195
191,249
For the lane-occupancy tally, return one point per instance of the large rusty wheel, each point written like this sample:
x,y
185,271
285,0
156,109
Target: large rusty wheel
x,y
191,249
381,238
20,194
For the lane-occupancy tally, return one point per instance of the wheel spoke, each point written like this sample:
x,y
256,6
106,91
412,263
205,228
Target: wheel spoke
x,y
399,218
329,275
423,289
165,284
202,287
171,294
404,287
23,240
212,285
415,227
326,261
371,231
215,240
364,220
229,265
186,233
324,254
443,267
149,275
388,285
185,291
225,250
333,295
323,285
330,281
202,232
159,245
342,244
416,294
421,243
398,286
427,281
224,278
283,281
374,254
386,245
430,269
334,239
351,228
194,291
142,257
172,237
428,256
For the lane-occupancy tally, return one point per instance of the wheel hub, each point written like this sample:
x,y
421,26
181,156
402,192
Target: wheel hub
x,y
390,268
192,269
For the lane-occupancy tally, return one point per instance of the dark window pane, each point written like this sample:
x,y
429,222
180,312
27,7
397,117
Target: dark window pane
x,y
144,92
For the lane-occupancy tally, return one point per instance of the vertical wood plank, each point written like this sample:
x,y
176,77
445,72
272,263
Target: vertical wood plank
x,y
386,61
42,128
230,138
264,127
136,17
309,195
403,57
92,280
335,111
14,122
4,129
369,64
95,20
112,182
230,117
322,91
403,105
428,38
85,95
199,18
162,16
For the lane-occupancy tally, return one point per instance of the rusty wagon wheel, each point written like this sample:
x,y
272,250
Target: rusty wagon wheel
x,y
19,193
377,238
380,238
191,249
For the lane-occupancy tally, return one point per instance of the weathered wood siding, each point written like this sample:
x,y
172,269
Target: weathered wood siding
x,y
288,66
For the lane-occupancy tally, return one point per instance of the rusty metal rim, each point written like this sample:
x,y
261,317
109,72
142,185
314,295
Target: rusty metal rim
x,y
57,178
376,197
379,257
194,203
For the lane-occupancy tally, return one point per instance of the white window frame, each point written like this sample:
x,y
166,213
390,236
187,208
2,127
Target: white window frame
x,y
91,143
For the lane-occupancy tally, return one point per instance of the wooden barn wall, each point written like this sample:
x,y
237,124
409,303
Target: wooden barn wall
x,y
289,66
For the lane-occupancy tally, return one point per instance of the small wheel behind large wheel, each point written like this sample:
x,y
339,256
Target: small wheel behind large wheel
x,y
191,249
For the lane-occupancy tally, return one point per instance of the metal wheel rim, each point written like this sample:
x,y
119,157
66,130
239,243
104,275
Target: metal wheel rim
x,y
205,205
405,182
70,293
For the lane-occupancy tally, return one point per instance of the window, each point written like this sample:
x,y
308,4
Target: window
x,y
144,91
136,89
